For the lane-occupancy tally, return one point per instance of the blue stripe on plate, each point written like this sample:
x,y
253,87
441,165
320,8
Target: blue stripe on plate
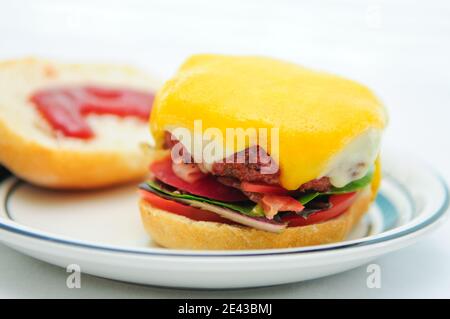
x,y
389,212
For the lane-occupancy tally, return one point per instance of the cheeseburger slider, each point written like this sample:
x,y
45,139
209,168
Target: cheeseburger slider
x,y
257,153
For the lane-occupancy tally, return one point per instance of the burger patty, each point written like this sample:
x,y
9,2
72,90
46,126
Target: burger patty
x,y
321,185
246,166
234,173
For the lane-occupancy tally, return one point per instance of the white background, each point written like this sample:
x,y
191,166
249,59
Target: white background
x,y
401,49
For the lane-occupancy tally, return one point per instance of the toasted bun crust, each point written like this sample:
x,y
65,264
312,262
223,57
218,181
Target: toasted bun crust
x,y
178,232
34,152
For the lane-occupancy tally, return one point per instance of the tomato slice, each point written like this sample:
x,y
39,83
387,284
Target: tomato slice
x,y
182,210
206,187
263,188
340,203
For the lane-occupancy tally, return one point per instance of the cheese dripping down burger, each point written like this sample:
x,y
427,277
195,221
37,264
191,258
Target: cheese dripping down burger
x,y
306,181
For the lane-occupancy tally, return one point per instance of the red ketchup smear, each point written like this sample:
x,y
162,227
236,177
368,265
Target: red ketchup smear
x,y
65,108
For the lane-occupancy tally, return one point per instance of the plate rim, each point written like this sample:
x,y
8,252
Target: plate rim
x,y
28,232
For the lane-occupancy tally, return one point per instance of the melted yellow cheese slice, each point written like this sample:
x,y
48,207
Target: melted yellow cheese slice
x,y
376,182
317,113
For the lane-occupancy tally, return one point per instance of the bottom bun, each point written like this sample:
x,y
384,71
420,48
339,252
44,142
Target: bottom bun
x,y
178,232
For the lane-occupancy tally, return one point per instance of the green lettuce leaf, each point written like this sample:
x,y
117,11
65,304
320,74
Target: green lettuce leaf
x,y
305,199
247,208
353,186
349,188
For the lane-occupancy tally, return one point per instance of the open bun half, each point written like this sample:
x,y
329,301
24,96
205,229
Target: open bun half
x,y
33,151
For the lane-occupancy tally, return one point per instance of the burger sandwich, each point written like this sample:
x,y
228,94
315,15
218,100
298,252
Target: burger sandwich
x,y
258,153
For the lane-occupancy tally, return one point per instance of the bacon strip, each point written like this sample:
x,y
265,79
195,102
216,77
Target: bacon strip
x,y
187,172
272,204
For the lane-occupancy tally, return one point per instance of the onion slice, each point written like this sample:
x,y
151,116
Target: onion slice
x,y
254,222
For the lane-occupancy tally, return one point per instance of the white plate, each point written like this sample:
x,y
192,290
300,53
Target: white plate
x,y
101,232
